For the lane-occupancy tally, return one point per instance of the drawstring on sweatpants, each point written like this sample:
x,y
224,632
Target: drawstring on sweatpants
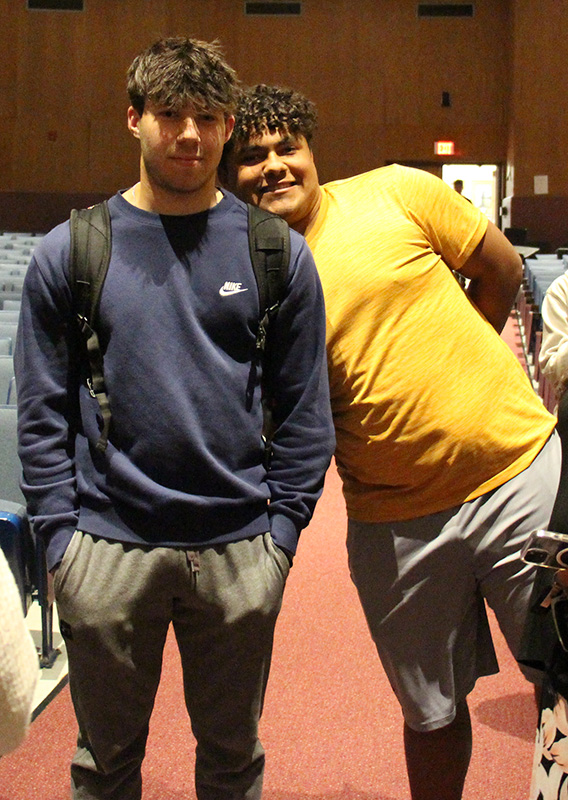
x,y
193,560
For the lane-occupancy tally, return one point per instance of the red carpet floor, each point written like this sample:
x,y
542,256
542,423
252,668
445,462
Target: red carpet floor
x,y
331,726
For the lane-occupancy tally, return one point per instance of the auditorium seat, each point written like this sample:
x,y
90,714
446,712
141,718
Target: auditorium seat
x,y
11,283
9,315
13,523
6,375
12,398
8,330
26,553
10,468
17,547
10,299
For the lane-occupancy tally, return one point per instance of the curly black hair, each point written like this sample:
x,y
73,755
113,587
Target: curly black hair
x,y
273,108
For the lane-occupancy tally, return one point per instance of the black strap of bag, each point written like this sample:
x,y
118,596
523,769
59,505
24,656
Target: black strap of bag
x,y
269,244
91,243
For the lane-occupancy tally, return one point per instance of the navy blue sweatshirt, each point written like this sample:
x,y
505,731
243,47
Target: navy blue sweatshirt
x,y
177,324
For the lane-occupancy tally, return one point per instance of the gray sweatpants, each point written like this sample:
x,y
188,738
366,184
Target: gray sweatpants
x,y
115,603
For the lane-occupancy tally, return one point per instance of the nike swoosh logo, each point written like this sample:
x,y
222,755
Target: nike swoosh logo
x,y
225,292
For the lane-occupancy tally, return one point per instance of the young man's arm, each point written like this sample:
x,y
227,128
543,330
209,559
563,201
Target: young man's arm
x,y
304,440
43,365
495,272
468,243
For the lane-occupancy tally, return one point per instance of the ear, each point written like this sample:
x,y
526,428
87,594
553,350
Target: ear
x,y
229,125
133,122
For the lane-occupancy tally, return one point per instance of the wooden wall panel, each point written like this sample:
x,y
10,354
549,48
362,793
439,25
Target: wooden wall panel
x,y
539,130
8,90
545,217
378,74
375,70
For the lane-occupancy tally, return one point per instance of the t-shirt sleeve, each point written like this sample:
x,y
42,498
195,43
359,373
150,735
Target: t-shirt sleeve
x,y
453,226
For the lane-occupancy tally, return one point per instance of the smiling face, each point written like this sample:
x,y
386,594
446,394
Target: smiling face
x,y
180,151
276,171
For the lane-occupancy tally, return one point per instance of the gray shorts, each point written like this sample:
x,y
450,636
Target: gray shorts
x,y
422,585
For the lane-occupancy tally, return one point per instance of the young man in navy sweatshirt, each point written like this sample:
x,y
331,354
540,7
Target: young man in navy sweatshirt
x,y
178,520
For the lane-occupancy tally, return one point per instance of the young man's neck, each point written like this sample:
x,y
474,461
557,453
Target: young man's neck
x,y
148,198
305,224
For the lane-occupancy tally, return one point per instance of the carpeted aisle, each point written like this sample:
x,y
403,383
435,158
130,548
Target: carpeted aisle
x,y
331,726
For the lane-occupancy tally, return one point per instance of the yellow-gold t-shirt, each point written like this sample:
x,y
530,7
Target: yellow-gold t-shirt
x,y
430,405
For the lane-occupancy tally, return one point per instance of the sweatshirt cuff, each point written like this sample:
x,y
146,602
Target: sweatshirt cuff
x,y
57,546
284,533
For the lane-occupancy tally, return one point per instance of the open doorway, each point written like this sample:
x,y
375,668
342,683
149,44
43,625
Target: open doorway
x,y
479,185
481,182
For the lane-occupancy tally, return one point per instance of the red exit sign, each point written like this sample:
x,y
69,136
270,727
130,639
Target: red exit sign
x,y
444,148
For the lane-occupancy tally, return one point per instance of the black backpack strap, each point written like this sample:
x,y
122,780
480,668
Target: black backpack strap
x,y
269,244
91,242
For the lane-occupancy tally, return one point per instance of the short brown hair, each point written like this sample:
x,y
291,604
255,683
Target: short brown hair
x,y
178,71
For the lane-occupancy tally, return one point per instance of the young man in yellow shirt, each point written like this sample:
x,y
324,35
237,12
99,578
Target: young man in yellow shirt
x,y
447,456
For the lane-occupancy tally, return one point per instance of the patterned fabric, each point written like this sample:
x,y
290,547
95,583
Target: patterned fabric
x,y
550,767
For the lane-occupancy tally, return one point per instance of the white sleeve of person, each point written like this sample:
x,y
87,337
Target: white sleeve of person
x,y
553,356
